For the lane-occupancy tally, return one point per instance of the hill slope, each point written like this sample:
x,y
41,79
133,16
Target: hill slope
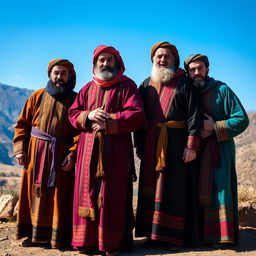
x,y
12,100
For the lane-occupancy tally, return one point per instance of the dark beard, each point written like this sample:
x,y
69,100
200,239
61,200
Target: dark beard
x,y
59,92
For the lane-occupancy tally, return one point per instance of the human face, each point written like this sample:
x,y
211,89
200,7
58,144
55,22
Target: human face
x,y
197,70
163,58
59,75
105,61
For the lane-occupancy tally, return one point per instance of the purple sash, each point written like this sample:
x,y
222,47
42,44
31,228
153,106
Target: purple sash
x,y
54,150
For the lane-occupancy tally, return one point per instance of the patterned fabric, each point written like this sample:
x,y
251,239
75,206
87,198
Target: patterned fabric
x,y
164,195
103,215
220,210
44,214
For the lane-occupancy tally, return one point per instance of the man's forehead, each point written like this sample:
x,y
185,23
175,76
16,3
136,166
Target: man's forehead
x,y
163,51
59,68
196,63
106,55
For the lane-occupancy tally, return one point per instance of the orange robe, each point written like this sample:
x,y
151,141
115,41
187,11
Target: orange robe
x,y
45,214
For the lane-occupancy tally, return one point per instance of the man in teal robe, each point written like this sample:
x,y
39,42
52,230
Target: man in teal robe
x,y
223,117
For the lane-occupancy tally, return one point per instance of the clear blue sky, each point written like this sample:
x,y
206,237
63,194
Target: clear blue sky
x,y
34,32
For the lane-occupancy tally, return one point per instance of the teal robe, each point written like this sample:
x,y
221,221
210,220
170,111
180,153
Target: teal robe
x,y
218,182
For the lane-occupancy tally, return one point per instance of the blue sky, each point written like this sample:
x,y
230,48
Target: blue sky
x,y
34,32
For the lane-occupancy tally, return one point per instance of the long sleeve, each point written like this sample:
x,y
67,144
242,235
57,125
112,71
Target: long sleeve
x,y
23,126
131,118
235,120
193,118
77,113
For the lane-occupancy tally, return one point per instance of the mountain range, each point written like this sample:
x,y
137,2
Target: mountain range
x,y
12,100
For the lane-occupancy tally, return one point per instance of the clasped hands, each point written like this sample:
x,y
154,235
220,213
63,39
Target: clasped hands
x,y
98,117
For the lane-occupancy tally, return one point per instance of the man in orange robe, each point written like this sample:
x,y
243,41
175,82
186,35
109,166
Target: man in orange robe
x,y
45,144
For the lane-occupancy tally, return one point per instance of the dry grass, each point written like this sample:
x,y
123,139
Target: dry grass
x,y
246,193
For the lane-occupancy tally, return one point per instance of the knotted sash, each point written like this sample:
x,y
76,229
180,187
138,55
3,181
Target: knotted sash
x,y
100,168
163,141
36,133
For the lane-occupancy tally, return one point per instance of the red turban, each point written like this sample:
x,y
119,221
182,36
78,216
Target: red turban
x,y
119,77
67,64
171,47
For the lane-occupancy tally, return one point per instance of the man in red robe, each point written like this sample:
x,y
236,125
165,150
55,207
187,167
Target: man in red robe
x,y
106,111
166,147
45,144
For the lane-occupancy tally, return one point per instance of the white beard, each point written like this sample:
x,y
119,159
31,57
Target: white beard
x,y
103,75
162,75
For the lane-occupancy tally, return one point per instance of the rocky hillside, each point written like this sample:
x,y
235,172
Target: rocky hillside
x,y
12,100
246,154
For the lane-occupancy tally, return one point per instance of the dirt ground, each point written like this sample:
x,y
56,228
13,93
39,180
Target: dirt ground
x,y
9,246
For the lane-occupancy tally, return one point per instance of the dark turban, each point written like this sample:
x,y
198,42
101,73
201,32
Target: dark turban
x,y
193,57
67,64
171,47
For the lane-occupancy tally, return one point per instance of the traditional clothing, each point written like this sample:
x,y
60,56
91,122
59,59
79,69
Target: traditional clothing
x,y
218,182
103,216
163,201
217,176
44,132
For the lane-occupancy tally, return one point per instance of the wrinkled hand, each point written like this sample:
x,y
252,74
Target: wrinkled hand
x,y
208,124
22,158
98,115
99,126
204,134
69,162
189,155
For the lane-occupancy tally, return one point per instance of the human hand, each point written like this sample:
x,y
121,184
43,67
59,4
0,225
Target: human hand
x,y
98,115
99,126
189,155
22,158
208,124
69,162
204,133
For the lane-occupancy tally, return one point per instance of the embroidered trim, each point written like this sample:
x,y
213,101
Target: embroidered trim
x,y
221,131
193,142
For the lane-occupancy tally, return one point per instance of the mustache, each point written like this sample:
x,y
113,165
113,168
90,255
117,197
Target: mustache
x,y
106,69
59,80
198,76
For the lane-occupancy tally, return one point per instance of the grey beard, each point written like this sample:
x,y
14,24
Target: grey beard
x,y
105,75
162,75
199,84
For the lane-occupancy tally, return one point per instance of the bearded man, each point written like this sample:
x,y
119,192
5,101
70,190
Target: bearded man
x,y
223,117
167,146
106,111
45,144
